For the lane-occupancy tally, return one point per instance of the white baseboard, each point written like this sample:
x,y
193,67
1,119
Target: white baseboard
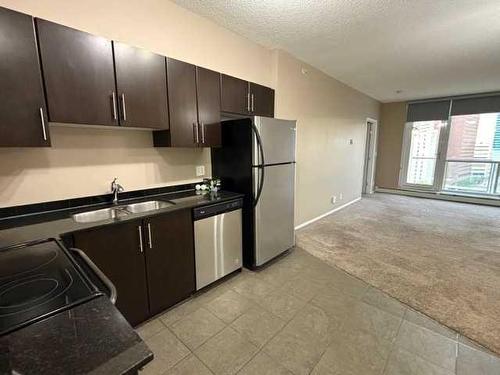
x,y
327,213
442,196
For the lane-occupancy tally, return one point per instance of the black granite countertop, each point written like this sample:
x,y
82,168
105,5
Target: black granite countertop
x,y
58,223
90,338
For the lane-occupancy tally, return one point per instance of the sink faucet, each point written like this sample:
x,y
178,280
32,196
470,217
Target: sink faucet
x,y
115,189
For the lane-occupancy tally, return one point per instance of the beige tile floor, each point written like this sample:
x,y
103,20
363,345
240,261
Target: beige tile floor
x,y
301,316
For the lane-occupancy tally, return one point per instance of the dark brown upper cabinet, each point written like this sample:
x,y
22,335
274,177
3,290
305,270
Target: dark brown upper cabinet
x,y
23,121
208,89
169,259
246,98
235,97
261,100
141,87
79,76
194,106
181,78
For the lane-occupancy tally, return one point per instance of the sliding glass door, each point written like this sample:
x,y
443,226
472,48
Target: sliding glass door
x,y
421,161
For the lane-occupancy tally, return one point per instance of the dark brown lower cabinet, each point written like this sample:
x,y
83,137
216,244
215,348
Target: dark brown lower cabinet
x,y
150,261
116,250
170,259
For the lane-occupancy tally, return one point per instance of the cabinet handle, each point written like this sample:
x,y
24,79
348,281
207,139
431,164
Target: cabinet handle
x,y
123,108
141,248
202,132
150,239
113,98
43,124
248,102
196,136
253,109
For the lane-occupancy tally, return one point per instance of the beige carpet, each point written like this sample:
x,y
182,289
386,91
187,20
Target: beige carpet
x,y
441,258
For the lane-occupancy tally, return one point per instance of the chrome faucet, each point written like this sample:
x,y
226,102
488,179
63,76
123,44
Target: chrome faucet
x,y
115,189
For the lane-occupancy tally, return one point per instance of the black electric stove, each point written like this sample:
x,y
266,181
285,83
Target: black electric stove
x,y
38,280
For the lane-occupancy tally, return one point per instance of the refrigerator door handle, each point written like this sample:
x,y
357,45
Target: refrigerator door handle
x,y
259,185
260,167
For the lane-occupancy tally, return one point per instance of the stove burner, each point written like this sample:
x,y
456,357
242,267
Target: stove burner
x,y
37,280
25,292
16,262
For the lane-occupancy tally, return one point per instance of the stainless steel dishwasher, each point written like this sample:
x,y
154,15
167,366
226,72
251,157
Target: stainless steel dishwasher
x,y
217,241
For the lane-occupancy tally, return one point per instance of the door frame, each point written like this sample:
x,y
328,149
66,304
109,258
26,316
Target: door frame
x,y
370,157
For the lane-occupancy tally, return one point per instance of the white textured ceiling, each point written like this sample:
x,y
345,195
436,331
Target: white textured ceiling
x,y
426,48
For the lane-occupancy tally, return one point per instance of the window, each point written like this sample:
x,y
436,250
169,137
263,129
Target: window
x,y
453,146
473,156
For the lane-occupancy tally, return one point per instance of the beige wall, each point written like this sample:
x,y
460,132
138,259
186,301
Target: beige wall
x,y
328,115
83,161
390,139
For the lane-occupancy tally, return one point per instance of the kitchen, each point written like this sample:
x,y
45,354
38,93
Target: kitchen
x,y
72,77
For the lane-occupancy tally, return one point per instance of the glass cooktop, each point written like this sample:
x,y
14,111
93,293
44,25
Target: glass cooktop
x,y
38,280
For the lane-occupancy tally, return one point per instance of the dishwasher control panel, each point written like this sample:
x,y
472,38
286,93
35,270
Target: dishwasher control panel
x,y
215,209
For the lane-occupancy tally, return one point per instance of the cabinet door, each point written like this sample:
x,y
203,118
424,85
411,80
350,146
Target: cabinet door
x,y
22,104
234,95
170,259
181,79
79,75
208,89
116,250
141,83
262,100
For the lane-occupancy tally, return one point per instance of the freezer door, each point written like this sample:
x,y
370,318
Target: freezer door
x,y
278,140
218,247
274,213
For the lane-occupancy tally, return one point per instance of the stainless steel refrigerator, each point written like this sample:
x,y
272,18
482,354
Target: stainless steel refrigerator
x,y
257,158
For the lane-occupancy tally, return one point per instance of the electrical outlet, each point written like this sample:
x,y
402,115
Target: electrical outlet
x,y
341,196
200,170
334,199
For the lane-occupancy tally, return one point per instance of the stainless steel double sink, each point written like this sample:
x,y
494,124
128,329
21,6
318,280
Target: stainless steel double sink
x,y
120,211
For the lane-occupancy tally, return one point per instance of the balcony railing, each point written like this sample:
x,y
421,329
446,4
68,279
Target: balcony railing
x,y
472,176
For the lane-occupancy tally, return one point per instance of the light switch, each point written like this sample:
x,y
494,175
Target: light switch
x,y
200,170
